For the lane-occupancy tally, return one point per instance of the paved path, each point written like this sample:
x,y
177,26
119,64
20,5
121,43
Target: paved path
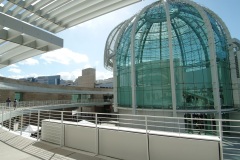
x,y
16,147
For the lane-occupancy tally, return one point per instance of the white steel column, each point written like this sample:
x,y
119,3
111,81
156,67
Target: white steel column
x,y
173,87
236,93
231,58
212,50
115,71
214,69
115,95
133,74
119,31
132,48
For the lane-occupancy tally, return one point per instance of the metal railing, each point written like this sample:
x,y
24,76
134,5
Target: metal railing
x,y
26,104
28,122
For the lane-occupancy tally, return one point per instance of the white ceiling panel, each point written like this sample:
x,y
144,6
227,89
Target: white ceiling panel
x,y
58,15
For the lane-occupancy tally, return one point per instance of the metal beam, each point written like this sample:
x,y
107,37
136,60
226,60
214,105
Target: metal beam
x,y
64,9
132,51
22,27
172,73
86,9
7,6
14,52
45,14
54,15
231,57
95,14
7,47
200,38
212,53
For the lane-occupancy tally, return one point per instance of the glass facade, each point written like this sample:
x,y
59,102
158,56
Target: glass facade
x,y
191,59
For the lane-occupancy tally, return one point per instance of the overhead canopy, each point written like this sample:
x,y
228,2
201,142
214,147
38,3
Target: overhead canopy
x,y
57,15
25,25
19,41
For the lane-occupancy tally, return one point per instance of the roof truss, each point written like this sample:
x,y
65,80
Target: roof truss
x,y
23,41
57,15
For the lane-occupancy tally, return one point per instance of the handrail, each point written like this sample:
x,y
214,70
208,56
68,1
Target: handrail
x,y
23,104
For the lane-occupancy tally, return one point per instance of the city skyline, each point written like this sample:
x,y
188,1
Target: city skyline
x,y
84,44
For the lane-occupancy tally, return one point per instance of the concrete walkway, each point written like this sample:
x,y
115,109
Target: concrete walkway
x,y
16,147
8,153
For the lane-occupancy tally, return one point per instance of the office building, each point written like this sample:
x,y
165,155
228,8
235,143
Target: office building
x,y
87,79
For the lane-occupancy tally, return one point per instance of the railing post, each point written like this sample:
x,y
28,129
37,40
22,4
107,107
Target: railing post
x,y
2,115
147,138
62,131
38,123
9,125
96,120
21,123
220,137
179,128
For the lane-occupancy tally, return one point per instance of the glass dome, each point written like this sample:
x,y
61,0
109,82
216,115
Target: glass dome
x,y
188,44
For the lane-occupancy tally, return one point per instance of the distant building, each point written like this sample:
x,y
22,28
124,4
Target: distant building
x,y
87,79
29,79
106,83
67,82
55,80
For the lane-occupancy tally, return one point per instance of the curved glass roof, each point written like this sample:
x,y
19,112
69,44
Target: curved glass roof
x,y
188,30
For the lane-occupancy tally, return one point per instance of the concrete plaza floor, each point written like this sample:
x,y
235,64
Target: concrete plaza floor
x,y
16,147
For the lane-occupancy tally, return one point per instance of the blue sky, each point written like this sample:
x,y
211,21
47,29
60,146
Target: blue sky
x,y
84,44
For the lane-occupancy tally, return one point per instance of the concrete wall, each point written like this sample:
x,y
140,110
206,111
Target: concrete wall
x,y
52,132
80,137
87,79
4,94
29,96
44,96
172,148
33,96
122,144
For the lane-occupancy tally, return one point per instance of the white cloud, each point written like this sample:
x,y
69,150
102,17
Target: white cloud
x,y
103,75
15,70
24,76
64,56
70,75
87,66
14,76
29,61
73,75
13,65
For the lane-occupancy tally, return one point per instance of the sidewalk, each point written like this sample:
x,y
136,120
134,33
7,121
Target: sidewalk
x,y
8,153
16,147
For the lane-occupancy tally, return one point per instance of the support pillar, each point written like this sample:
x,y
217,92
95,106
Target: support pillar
x,y
115,95
173,83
